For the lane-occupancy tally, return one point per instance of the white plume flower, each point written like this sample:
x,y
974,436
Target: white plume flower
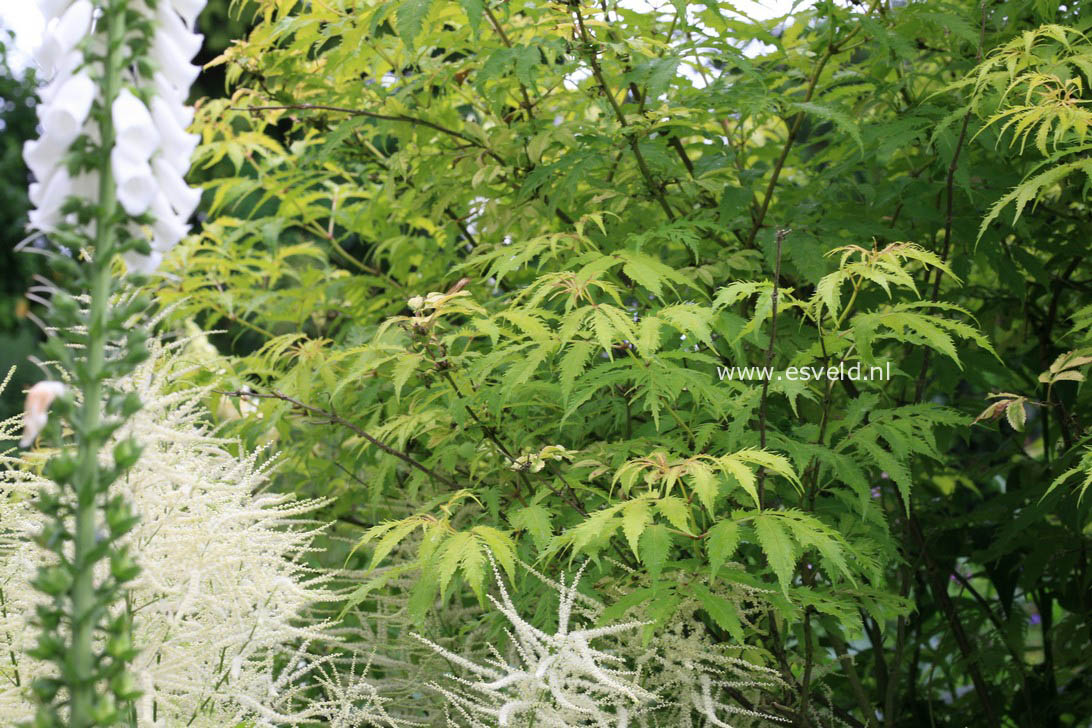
x,y
222,593
561,681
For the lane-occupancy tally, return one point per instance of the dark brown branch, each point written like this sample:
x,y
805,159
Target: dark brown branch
x,y
891,693
938,584
781,234
805,683
919,387
1018,661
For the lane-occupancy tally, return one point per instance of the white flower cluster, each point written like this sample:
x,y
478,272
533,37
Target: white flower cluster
x,y
222,596
680,677
152,150
563,681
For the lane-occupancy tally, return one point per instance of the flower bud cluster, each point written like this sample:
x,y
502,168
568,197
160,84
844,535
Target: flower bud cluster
x,y
151,149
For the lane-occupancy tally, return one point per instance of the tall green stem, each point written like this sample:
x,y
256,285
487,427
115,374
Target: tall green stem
x,y
86,612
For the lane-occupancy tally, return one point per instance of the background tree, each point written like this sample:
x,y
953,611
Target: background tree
x,y
18,335
480,264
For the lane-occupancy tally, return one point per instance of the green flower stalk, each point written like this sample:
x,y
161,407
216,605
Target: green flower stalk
x,y
109,168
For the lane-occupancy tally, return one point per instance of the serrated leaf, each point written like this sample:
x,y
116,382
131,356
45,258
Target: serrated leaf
x,y
1016,414
704,483
655,545
423,595
534,519
573,364
391,538
721,610
500,545
454,550
635,518
676,511
473,567
721,542
841,119
778,546
474,10
410,19
742,475
404,368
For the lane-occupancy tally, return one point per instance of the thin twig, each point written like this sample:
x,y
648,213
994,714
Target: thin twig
x,y
938,581
375,115
656,191
854,679
781,234
985,606
794,128
334,418
805,683
527,105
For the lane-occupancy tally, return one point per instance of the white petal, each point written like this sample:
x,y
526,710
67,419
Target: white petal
x,y
183,198
177,27
145,264
66,68
174,98
43,220
86,186
169,228
42,157
136,185
173,55
176,145
189,9
135,131
52,8
63,34
65,114
54,194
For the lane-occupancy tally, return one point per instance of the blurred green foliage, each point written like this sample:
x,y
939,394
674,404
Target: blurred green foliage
x,y
17,124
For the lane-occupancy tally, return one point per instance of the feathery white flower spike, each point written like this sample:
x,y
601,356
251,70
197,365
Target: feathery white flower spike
x,y
563,681
239,602
36,410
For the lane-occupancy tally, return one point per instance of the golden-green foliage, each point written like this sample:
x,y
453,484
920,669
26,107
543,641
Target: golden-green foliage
x,y
484,270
